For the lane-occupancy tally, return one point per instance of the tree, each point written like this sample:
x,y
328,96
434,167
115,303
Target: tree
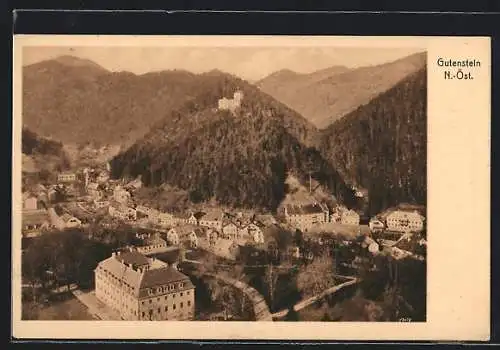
x,y
292,315
298,238
283,239
316,277
271,277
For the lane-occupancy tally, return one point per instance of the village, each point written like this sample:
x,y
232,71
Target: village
x,y
148,290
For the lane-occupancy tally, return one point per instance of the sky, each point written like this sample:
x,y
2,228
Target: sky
x,y
251,63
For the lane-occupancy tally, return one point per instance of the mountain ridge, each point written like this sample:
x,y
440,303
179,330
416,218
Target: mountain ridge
x,y
240,158
382,145
330,97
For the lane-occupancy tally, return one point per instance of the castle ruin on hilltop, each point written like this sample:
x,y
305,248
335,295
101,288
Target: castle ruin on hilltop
x,y
231,104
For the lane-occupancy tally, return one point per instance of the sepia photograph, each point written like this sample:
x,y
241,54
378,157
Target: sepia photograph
x,y
234,184
228,183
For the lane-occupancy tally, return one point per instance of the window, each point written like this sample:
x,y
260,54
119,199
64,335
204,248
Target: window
x,y
150,301
187,293
173,295
159,310
143,314
157,299
173,306
165,297
182,305
189,302
181,294
166,308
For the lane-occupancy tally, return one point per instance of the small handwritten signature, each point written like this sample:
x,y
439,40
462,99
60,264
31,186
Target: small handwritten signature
x,y
405,319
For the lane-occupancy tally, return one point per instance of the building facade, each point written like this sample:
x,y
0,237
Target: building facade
x,y
141,288
403,221
66,177
350,217
304,217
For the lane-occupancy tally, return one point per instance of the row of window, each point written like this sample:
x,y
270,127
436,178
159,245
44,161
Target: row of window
x,y
174,307
167,288
165,297
110,280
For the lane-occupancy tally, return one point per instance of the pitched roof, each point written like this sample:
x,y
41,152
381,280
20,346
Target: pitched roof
x,y
130,276
161,276
213,215
198,215
133,257
66,217
169,256
35,217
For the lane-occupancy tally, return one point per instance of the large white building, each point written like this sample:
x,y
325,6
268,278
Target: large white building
x,y
405,221
142,288
304,217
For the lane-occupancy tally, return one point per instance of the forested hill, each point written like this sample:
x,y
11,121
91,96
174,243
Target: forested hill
x,y
33,144
76,101
239,160
41,154
325,96
382,146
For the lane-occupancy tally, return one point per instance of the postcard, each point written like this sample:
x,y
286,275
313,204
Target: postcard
x,y
251,187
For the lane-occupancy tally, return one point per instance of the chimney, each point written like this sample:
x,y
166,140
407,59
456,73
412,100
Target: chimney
x,y
118,253
113,254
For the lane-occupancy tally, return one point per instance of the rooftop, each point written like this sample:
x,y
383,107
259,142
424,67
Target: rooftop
x,y
35,217
133,257
304,209
161,276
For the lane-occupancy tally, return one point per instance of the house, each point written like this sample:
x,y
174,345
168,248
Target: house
x,y
35,221
66,177
172,237
166,220
194,219
265,219
142,288
70,221
404,221
253,231
212,236
304,217
350,217
30,202
150,243
121,195
230,230
151,214
213,219
376,225
121,211
190,235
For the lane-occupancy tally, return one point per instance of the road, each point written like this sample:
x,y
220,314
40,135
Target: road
x,y
260,308
95,307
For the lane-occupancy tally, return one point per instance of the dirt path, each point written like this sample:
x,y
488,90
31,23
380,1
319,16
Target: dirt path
x,y
309,301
